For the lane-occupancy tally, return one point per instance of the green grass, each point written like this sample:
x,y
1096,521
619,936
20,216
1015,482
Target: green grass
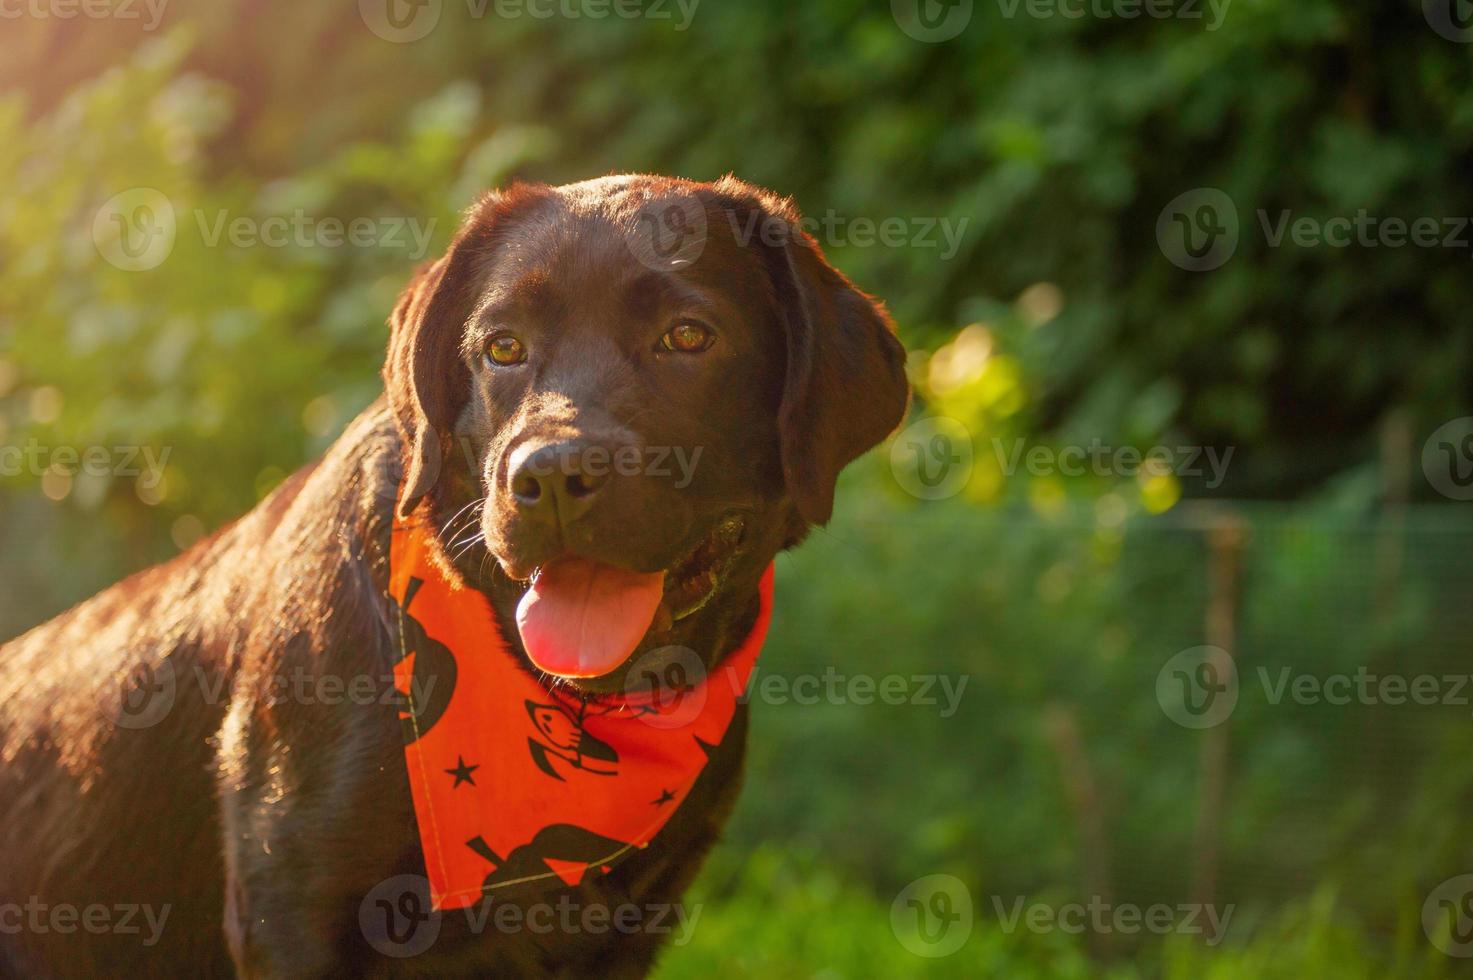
x,y
784,916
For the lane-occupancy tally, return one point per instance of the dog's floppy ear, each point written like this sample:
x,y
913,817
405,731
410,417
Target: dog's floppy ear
x,y
845,388
425,373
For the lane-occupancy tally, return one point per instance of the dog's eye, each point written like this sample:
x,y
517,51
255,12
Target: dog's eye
x,y
688,337
505,350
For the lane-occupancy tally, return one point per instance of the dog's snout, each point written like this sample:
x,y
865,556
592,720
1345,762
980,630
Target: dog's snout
x,y
557,482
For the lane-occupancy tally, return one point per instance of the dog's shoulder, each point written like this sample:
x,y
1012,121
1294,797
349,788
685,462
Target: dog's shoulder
x,y
311,563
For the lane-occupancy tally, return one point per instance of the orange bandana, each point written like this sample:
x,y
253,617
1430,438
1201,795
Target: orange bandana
x,y
514,783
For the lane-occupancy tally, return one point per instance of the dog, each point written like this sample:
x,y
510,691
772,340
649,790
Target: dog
x,y
636,318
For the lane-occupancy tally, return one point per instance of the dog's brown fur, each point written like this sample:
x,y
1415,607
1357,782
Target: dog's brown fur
x,y
261,822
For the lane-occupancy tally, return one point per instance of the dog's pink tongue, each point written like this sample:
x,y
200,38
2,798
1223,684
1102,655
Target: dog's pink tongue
x,y
584,618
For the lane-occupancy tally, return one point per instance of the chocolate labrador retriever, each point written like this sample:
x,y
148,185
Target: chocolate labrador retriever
x,y
236,825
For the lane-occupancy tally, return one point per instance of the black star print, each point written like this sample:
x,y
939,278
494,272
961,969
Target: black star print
x,y
462,772
665,797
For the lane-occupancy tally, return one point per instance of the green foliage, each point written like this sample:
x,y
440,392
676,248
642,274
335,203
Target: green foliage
x,y
1075,616
1052,145
243,358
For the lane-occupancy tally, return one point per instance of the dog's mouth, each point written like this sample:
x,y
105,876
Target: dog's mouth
x,y
582,618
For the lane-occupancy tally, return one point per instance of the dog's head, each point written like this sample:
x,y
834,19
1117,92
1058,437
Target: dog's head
x,y
649,387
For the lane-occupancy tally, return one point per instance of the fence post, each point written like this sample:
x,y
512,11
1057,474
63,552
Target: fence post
x,y
1386,650
1225,538
1081,789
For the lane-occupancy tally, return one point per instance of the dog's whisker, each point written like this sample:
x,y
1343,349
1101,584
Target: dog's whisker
x,y
481,570
449,529
457,515
470,533
462,548
468,546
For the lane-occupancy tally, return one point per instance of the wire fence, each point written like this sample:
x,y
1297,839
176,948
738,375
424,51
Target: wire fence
x,y
1241,704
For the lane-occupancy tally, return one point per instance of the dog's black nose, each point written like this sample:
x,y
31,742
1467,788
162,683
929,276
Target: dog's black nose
x,y
557,482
